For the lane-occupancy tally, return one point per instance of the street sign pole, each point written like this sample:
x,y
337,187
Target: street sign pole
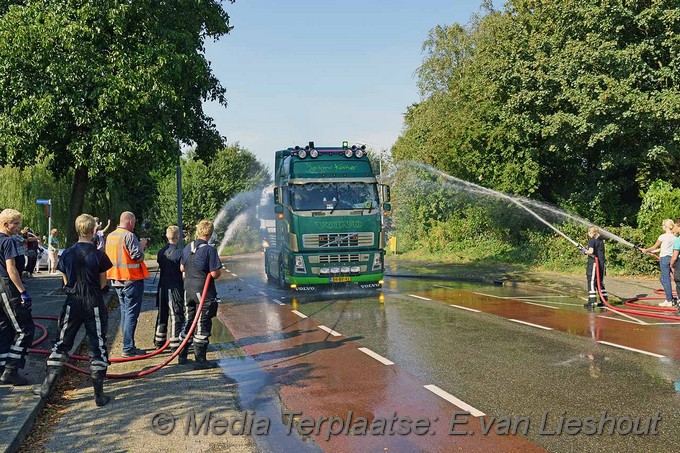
x,y
48,203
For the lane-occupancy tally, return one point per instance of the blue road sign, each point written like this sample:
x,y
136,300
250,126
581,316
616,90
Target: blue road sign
x,y
42,201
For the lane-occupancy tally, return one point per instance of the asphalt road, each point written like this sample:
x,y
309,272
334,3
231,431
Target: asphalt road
x,y
525,357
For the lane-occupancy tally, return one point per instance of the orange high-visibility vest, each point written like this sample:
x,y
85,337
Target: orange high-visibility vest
x,y
124,267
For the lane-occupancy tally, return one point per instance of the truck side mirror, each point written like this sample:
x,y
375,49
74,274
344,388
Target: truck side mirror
x,y
385,193
387,207
278,209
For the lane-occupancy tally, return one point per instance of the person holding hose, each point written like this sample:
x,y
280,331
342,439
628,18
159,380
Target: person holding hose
x,y
198,260
84,274
595,250
664,245
675,262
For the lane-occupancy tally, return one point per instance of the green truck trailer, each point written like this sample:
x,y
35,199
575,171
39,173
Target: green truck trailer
x,y
327,226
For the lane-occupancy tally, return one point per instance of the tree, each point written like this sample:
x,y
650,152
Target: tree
x,y
573,102
106,88
207,187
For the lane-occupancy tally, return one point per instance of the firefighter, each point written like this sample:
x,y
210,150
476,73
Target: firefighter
x,y
595,250
169,299
84,273
16,320
198,260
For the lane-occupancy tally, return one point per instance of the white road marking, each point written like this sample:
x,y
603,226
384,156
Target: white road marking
x,y
453,400
250,286
626,316
276,301
530,324
653,354
540,305
534,297
419,297
330,331
664,324
618,319
465,308
377,357
488,295
234,274
262,293
302,315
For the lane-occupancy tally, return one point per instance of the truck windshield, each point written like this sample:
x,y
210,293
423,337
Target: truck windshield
x,y
334,196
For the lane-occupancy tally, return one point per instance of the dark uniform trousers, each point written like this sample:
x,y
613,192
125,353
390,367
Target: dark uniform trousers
x,y
194,281
170,319
201,334
76,312
591,275
16,327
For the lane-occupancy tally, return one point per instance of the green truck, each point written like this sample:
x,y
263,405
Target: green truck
x,y
328,219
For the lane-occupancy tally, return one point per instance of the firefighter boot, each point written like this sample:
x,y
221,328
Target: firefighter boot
x,y
201,362
100,398
182,357
45,388
11,377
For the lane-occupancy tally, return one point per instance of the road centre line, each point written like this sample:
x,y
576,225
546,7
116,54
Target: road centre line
x,y
618,319
533,297
530,324
302,315
488,295
262,293
627,316
653,354
330,331
453,400
555,303
233,274
540,305
465,308
276,301
419,297
377,357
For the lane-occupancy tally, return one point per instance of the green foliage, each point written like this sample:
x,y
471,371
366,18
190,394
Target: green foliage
x,y
572,102
207,187
446,220
661,201
20,190
106,88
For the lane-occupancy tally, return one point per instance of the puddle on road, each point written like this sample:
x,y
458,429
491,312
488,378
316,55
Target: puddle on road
x,y
257,393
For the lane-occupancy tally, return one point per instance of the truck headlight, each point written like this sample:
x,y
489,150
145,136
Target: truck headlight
x,y
344,269
377,262
300,264
355,269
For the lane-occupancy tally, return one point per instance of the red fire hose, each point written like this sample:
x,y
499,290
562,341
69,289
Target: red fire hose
x,y
634,312
134,374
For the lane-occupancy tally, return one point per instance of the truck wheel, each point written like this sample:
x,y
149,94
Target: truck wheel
x,y
282,273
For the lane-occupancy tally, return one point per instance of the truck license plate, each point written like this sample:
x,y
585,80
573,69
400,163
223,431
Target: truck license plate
x,y
339,279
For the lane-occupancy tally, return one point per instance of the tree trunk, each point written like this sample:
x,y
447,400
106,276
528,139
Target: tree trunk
x,y
80,180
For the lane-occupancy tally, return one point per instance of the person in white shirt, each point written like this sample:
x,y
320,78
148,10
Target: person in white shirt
x,y
664,245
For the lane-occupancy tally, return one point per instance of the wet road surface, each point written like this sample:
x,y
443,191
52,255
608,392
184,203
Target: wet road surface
x,y
427,349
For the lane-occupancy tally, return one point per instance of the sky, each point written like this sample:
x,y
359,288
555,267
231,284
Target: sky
x,y
325,71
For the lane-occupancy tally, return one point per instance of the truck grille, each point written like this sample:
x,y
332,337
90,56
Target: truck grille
x,y
343,258
332,240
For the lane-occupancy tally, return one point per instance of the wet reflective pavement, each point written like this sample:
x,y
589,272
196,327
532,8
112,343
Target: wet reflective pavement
x,y
460,338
